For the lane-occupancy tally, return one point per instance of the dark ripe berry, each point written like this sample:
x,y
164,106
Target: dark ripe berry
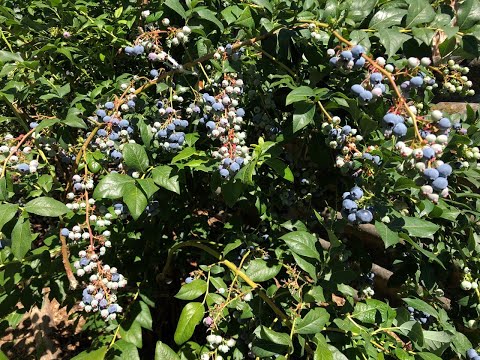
x,y
367,156
444,170
440,183
65,232
33,125
333,61
357,89
115,277
101,113
431,174
240,112
416,81
399,130
364,216
224,173
115,154
138,49
129,50
352,218
428,153
188,280
347,129
376,78
109,105
357,51
359,63
444,124
131,104
356,193
349,205
154,73
471,353
210,125
23,168
376,159
123,123
234,167
346,55
366,96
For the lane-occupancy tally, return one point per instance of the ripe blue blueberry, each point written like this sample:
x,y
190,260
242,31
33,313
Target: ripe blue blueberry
x,y
64,232
239,160
356,193
390,120
359,63
444,170
333,61
347,129
399,130
101,113
117,155
376,160
188,280
23,168
364,216
352,218
416,81
457,126
218,106
33,125
439,184
366,96
138,49
106,119
444,124
224,173
357,51
376,78
346,55
234,167
154,73
210,125
123,123
131,104
349,205
357,89
114,136
240,112
471,353
115,277
129,50
109,105
428,153
431,174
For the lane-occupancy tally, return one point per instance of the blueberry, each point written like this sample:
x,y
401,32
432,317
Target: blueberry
x,y
84,261
428,153
376,160
106,119
346,55
240,112
439,183
188,280
101,113
471,353
228,48
102,132
115,277
129,50
154,73
210,125
224,173
359,63
356,193
162,133
87,299
347,129
218,106
364,216
444,124
159,104
117,155
131,104
114,136
410,309
357,89
444,170
23,168
367,156
366,96
239,160
381,87
64,232
227,161
357,51
399,130
123,123
138,49
352,218
349,205
376,78
333,61
109,105
416,81
112,308
234,167
405,85
423,320
431,174
103,303
390,120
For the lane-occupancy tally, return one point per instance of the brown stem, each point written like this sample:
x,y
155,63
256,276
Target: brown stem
x,y
66,263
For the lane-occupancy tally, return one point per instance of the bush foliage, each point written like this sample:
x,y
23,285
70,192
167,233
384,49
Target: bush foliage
x,y
242,179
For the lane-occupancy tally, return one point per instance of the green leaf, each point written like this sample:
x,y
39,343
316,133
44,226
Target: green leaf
x,y
210,16
306,265
132,334
264,4
302,243
322,352
424,35
73,120
419,227
135,157
21,238
303,115
143,315
358,10
281,168
386,18
162,175
431,256
258,270
461,343
7,212
98,354
176,6
270,343
46,206
184,154
112,186
301,93
192,290
164,352
468,14
118,12
392,40
135,199
428,356
419,12
313,322
191,316
148,187
246,19
6,56
128,351
421,306
388,236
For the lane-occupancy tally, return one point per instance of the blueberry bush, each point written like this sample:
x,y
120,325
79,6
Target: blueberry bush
x,y
243,179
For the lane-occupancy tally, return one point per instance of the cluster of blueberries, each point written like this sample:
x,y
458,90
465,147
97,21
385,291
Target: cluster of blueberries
x,y
350,207
472,354
99,294
376,88
416,82
230,166
419,316
437,179
134,50
348,59
394,124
